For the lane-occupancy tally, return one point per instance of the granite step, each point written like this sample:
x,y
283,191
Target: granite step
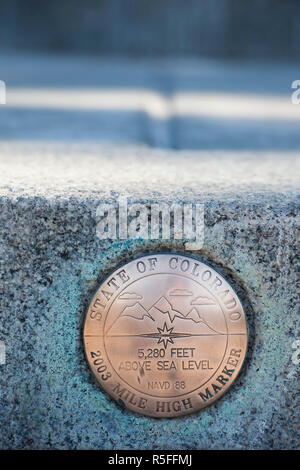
x,y
55,171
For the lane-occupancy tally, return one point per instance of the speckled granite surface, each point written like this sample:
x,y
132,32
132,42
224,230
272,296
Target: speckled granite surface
x,y
52,262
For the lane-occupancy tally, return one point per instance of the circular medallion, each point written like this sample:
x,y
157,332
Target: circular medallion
x,y
165,335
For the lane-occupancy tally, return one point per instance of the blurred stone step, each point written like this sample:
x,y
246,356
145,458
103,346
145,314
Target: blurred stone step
x,y
180,104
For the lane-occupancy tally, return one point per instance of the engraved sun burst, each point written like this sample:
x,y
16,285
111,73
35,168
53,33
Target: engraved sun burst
x,y
165,335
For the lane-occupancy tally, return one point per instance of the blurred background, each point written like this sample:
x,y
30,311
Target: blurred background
x,y
194,74
265,29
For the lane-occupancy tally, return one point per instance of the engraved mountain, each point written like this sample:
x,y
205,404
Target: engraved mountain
x,y
165,307
136,319
135,311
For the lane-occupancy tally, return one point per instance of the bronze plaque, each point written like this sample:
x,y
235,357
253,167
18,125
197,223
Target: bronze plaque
x,y
165,335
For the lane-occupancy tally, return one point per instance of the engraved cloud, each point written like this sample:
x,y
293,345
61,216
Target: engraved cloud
x,y
202,301
180,292
130,296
